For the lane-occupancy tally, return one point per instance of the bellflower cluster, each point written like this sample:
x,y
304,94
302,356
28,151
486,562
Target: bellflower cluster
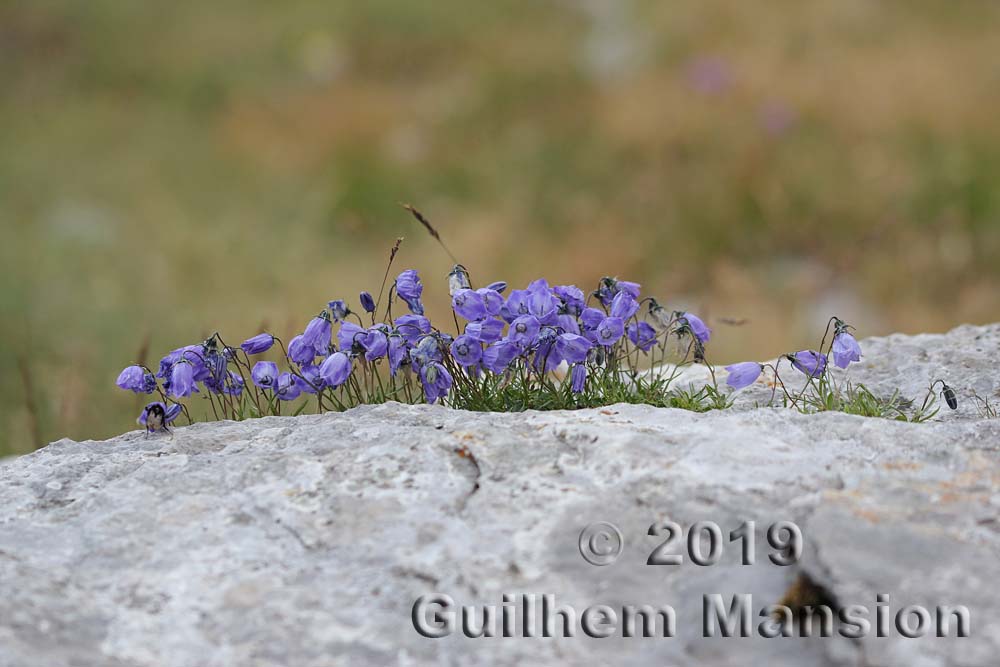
x,y
541,346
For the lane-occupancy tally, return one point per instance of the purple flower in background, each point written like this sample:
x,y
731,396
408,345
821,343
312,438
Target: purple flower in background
x,y
367,302
591,318
810,362
497,357
409,288
845,349
642,335
469,304
287,388
233,384
436,381
335,369
572,348
776,118
349,336
137,379
517,304
492,301
318,332
485,331
568,324
182,379
300,351
624,305
264,374
578,378
743,374
257,344
375,342
709,75
696,326
339,310
466,350
610,331
412,327
397,353
499,286
611,287
311,381
524,330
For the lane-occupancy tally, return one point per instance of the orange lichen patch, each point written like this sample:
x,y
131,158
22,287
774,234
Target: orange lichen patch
x,y
902,465
868,515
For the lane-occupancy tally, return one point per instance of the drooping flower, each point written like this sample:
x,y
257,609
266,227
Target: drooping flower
x,y
287,388
349,337
412,327
743,374
182,382
845,349
624,305
233,385
367,302
642,335
264,374
466,350
335,369
409,288
568,323
485,331
436,381
397,353
809,362
339,310
257,344
311,381
492,300
609,331
572,348
524,330
611,287
695,326
375,342
469,304
498,355
578,378
137,379
427,350
300,351
318,333
591,318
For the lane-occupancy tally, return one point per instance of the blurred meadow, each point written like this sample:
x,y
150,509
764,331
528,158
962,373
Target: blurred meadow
x,y
172,169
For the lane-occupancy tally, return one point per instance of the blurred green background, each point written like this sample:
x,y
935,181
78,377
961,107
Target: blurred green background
x,y
169,169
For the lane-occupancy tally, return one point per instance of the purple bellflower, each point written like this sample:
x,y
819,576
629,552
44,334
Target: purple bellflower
x,y
265,374
318,332
578,378
696,326
409,288
809,362
743,374
642,335
182,381
467,351
436,381
845,349
469,304
367,302
257,344
300,351
335,369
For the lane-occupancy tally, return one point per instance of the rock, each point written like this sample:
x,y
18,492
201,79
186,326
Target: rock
x,y
306,541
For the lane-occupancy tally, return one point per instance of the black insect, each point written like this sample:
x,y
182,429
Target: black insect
x,y
156,418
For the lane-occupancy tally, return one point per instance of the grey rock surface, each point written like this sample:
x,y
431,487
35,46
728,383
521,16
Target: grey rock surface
x,y
306,541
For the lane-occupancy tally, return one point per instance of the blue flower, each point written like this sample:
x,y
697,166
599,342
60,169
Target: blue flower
x,y
591,318
349,337
367,302
485,331
609,331
572,297
287,387
845,349
427,350
497,356
499,286
694,324
412,327
375,342
300,351
318,332
257,344
335,369
397,353
409,288
137,379
311,381
492,300
469,304
642,335
809,362
624,306
182,381
572,348
436,381
743,374
524,330
466,350
578,378
265,374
